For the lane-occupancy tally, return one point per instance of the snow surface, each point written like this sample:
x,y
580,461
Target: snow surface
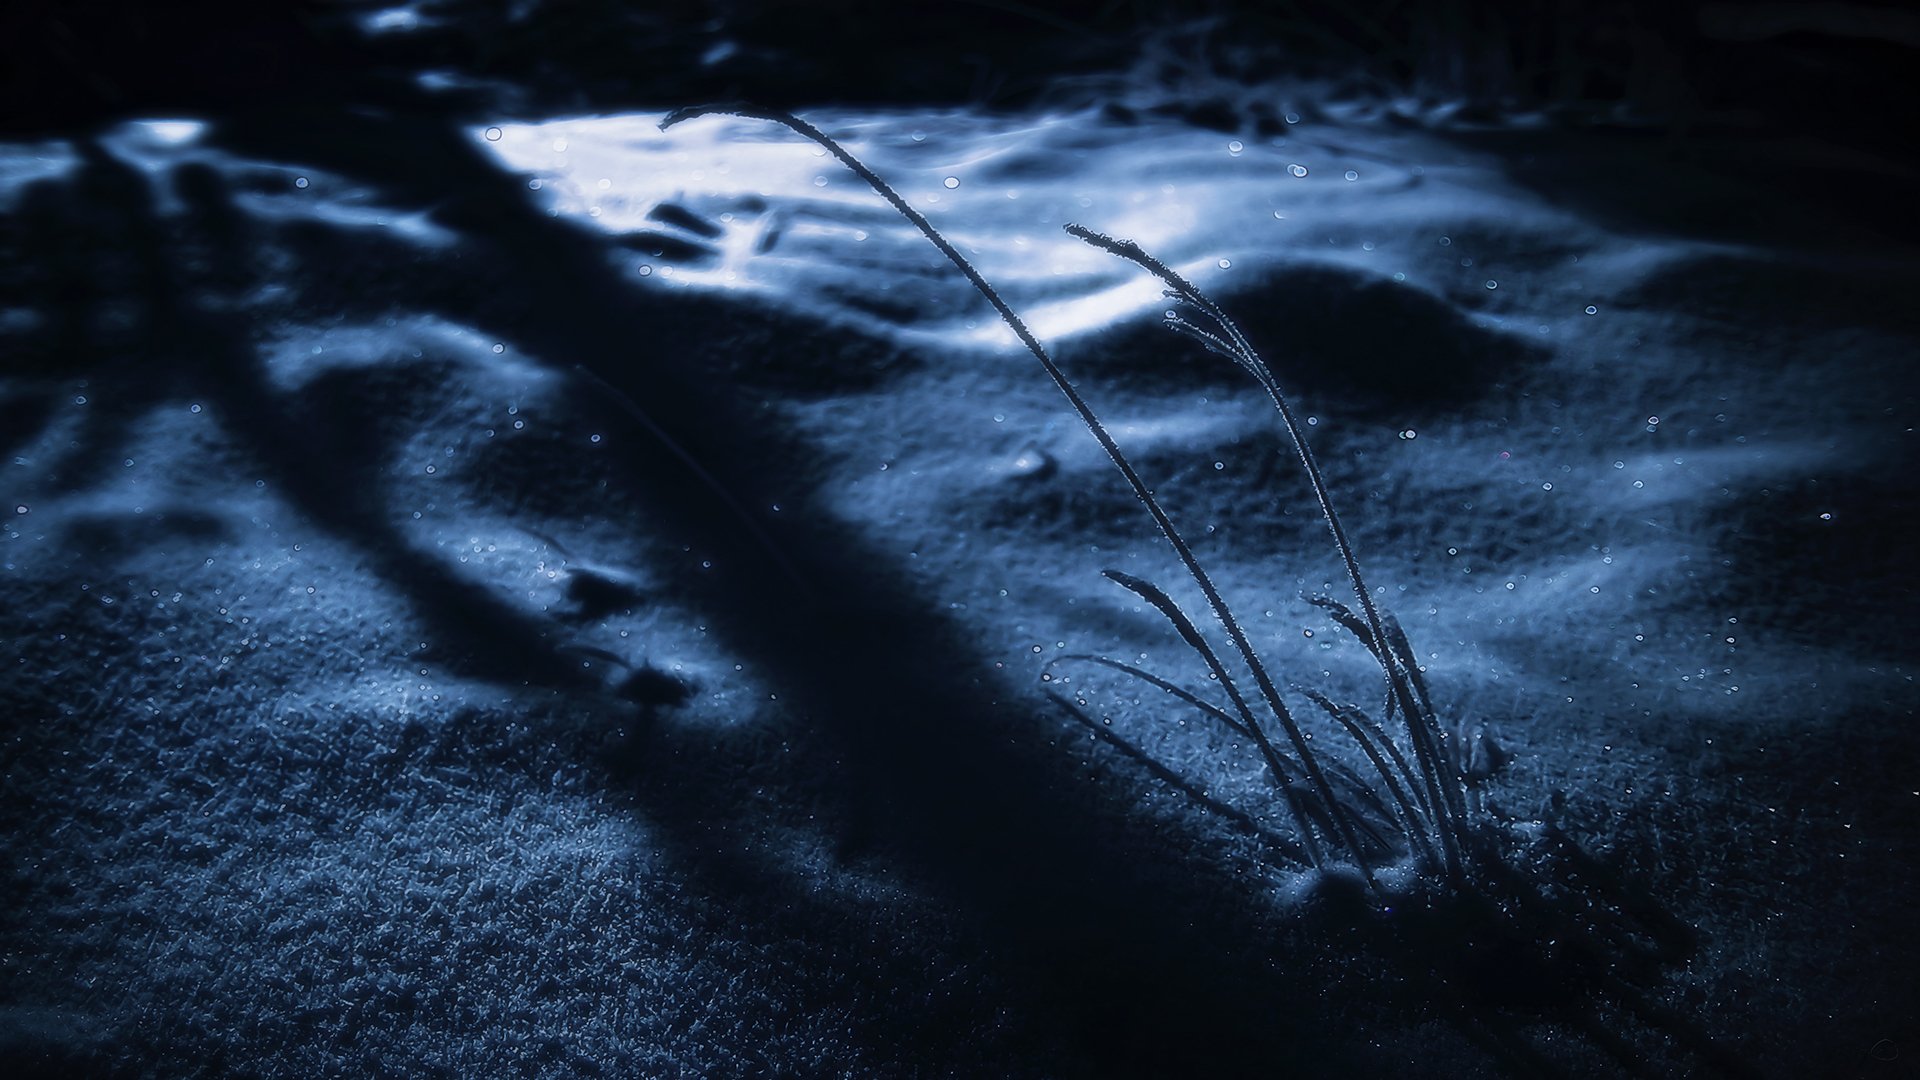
x,y
385,696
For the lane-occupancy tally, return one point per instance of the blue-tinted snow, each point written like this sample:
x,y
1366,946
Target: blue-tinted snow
x,y
381,683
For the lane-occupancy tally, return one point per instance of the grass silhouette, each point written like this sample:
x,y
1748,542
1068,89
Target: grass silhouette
x,y
1426,795
1505,924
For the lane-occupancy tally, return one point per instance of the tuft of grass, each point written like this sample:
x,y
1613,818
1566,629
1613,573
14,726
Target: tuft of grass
x,y
1528,926
1423,792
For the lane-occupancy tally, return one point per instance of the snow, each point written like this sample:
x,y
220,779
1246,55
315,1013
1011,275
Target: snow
x,y
382,697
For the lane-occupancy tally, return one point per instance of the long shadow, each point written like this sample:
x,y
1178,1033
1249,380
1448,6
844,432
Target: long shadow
x,y
1135,946
942,778
191,349
72,247
1128,943
1135,959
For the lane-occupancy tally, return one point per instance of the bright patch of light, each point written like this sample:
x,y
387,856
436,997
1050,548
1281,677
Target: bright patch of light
x,y
391,20
1080,314
172,132
750,208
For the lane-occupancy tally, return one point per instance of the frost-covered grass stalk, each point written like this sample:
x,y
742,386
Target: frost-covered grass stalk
x,y
1330,803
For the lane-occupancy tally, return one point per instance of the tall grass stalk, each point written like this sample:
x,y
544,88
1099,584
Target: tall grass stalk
x,y
1428,741
1439,814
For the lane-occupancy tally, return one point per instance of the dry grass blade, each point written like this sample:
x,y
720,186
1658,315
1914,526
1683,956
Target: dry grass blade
x,y
1436,766
1148,677
1371,740
1296,853
1189,633
1439,783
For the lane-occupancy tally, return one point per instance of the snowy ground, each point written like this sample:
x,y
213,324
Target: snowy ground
x,y
385,695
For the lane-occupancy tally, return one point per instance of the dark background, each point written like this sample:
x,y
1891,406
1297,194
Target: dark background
x,y
1833,68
